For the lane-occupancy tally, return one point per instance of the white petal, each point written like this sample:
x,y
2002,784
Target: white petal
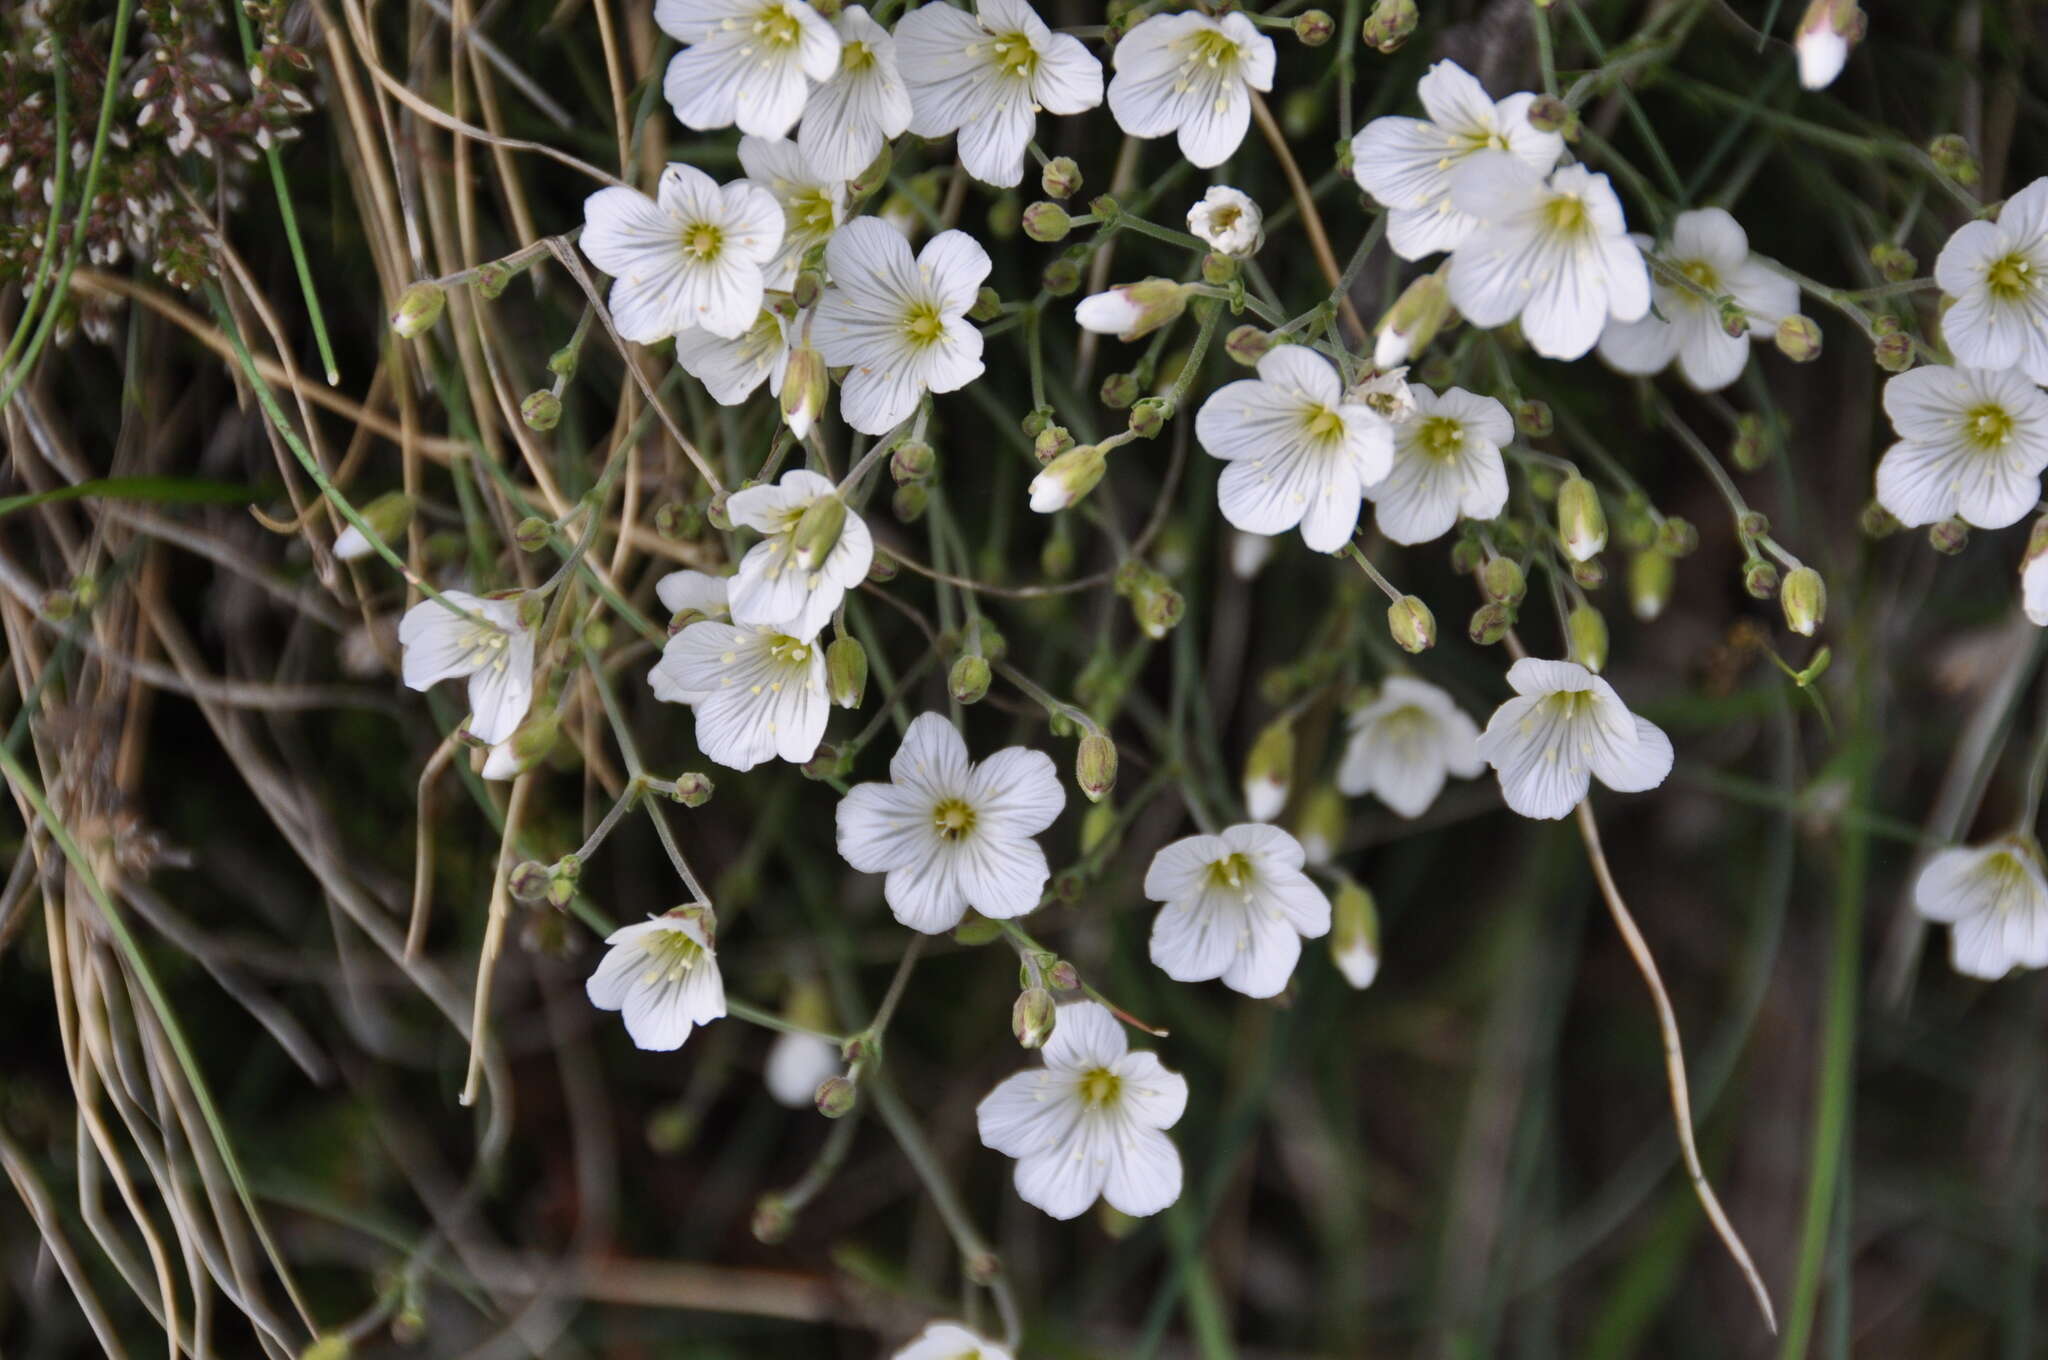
x,y
1144,1172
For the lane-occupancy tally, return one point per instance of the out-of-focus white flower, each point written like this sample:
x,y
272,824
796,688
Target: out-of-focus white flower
x,y
950,833
813,201
695,592
1405,743
1710,248
1406,163
1131,310
693,256
1091,1122
1972,443
1823,39
1388,393
797,1065
731,368
1228,221
1237,907
865,104
747,62
1191,75
1446,463
2034,575
1355,935
1299,454
784,582
758,692
1995,902
1565,727
488,644
663,975
899,325
1996,275
1249,553
986,75
1556,253
951,1341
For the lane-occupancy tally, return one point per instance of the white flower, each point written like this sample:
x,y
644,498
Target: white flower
x,y
1237,907
2034,590
1565,727
797,1065
758,692
1405,742
1997,275
813,201
1446,463
950,1341
1995,901
1406,163
731,369
692,256
1388,393
776,587
899,325
663,974
1248,553
1090,1122
695,592
863,106
1556,253
1710,248
1191,75
1227,219
1130,310
1822,40
951,834
750,62
496,654
1972,443
986,76
1298,452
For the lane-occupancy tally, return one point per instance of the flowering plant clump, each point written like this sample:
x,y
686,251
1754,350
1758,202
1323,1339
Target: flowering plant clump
x,y
1540,593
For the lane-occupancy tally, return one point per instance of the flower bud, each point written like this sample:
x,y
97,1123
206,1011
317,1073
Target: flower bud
x,y
911,461
805,386
1105,208
1218,270
1067,478
772,1219
1676,537
1130,310
491,280
1355,934
1052,441
1468,556
873,177
1413,321
332,1346
1798,339
818,530
1502,580
542,410
1877,522
1489,624
528,882
1095,766
846,671
525,748
419,307
1533,418
1759,578
1269,770
1061,178
836,1097
1119,390
1247,345
1823,38
804,291
1319,826
1046,222
968,680
693,789
1581,523
1949,537
1894,262
1754,524
975,929
1749,451
1952,153
1061,277
1548,113
1589,574
1804,597
1389,25
1314,27
1032,1016
1893,353
718,513
1157,609
1411,623
1650,578
387,516
532,533
988,305
909,502
1149,417
1586,629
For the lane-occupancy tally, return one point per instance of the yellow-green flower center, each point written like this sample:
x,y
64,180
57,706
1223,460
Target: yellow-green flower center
x,y
1701,274
2010,278
1013,55
485,646
1099,1087
923,325
1440,437
1211,47
1988,426
1323,424
777,26
810,214
856,56
1566,215
701,241
670,954
952,818
788,650
1232,871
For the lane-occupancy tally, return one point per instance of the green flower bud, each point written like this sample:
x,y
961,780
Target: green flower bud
x,y
1548,113
329,1347
1893,353
1314,27
1952,153
909,502
1046,222
988,305
1067,478
805,387
772,1219
715,511
1005,215
1413,321
528,882
1096,824
1031,1018
1503,582
491,280
1411,623
846,671
1149,417
1131,310
1269,770
419,307
1581,522
387,516
1754,524
1061,277
1355,933
1389,25
1061,178
818,530
1587,629
1804,597
836,1097
532,533
1677,538
1759,578
912,461
542,410
678,520
975,929
1749,453
1218,270
1490,623
872,178
1052,441
1056,558
1798,339
1533,418
1589,574
1247,345
1949,537
1119,390
1158,609
1095,766
968,680
1036,421
1894,262
1319,826
693,789
1105,207
1877,522
1467,556
1651,575
882,569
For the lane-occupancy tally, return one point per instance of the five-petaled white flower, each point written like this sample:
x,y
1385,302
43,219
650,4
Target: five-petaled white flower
x,y
487,643
1446,463
750,62
899,325
813,201
865,104
1090,1122
759,693
1406,163
1565,727
1237,907
1555,253
692,256
663,975
1995,901
1712,251
950,833
1298,452
731,368
1997,275
1228,221
797,1065
1191,75
784,582
1405,743
1972,443
986,75
951,1341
